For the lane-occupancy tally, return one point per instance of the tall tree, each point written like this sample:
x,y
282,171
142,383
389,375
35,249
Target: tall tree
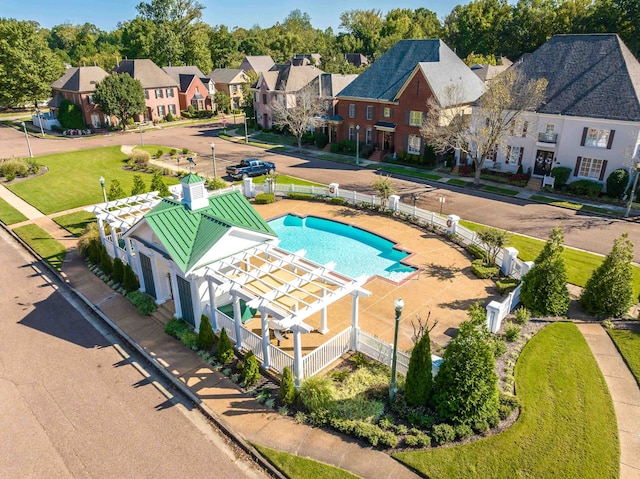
x,y
544,289
121,96
27,65
365,26
419,381
297,113
609,290
492,119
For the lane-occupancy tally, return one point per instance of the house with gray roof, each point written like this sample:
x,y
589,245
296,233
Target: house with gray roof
x,y
590,120
257,64
388,101
195,89
280,84
77,85
160,89
229,81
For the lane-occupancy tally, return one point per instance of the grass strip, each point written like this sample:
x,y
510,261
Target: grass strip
x,y
457,182
500,191
628,343
50,249
9,215
75,223
273,138
579,264
405,171
296,467
575,206
567,424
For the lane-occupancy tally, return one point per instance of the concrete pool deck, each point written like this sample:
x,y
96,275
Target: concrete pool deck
x,y
444,285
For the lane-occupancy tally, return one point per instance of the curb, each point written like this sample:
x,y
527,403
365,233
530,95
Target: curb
x,y
177,384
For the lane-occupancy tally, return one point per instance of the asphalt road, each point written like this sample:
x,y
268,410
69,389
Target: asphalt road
x,y
582,230
74,405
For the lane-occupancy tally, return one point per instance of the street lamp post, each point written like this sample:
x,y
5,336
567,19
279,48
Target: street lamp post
x,y
40,121
441,203
141,139
633,189
357,144
213,155
246,133
399,305
24,127
104,193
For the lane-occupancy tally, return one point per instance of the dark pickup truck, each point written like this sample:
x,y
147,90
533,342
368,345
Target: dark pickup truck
x,y
251,167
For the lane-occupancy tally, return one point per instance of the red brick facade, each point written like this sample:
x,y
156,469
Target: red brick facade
x,y
91,114
406,137
187,97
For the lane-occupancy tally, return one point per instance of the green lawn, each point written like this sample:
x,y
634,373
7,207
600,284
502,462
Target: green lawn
x,y
9,215
574,206
628,343
75,223
274,138
49,248
566,429
405,171
457,182
285,180
73,179
296,467
579,264
500,191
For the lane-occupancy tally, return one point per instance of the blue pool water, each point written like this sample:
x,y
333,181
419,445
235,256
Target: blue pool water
x,y
356,252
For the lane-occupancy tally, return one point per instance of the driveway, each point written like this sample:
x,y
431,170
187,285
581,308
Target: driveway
x,y
582,230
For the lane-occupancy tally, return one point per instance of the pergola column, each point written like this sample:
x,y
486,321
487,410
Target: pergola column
x,y
264,317
355,327
114,239
237,319
174,287
129,247
323,317
298,373
103,237
212,307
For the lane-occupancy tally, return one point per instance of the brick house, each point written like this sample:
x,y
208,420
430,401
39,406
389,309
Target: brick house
x,y
590,121
160,90
229,81
77,85
194,87
385,106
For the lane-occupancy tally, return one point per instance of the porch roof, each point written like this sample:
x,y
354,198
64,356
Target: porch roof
x,y
385,126
285,285
124,213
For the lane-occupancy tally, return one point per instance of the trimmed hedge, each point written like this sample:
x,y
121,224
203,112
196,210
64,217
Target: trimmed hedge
x,y
264,198
589,188
482,271
506,285
145,304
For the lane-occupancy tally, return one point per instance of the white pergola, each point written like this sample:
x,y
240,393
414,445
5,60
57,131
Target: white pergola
x,y
121,215
285,288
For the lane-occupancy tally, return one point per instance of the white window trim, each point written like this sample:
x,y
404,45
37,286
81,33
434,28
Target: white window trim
x,y
411,145
591,173
596,141
413,116
352,110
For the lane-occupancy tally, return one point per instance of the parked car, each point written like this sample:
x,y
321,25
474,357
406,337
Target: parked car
x,y
251,167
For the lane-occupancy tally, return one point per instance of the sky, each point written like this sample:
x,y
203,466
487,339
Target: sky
x,y
107,13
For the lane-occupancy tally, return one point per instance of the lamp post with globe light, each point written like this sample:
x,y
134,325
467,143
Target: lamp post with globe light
x,y
399,305
213,155
357,144
24,127
104,193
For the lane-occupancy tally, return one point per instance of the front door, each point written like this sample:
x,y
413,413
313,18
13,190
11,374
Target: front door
x,y
186,303
544,162
147,275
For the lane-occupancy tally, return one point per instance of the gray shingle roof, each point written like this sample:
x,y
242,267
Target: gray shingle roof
x,y
257,63
594,76
79,79
226,75
384,79
333,83
149,74
183,75
290,78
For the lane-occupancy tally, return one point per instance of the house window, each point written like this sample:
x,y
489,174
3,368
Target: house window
x,y
591,168
352,111
172,109
146,94
415,118
161,110
264,98
413,146
368,136
369,112
597,138
525,126
352,133
386,112
514,155
234,88
170,92
159,93
90,99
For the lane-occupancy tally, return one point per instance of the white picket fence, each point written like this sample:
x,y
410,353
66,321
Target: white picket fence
x,y
322,356
382,352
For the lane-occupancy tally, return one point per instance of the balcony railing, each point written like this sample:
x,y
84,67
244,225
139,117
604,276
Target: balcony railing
x,y
548,137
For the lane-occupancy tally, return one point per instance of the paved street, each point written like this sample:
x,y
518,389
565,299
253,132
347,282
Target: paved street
x,y
74,405
582,230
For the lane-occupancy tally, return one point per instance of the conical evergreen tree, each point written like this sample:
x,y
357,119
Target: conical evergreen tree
x,y
609,291
206,337
544,288
418,385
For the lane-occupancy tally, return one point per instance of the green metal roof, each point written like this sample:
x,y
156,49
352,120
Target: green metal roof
x,y
190,178
188,235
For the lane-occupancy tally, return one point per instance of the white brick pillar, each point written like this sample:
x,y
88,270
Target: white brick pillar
x,y
334,189
509,256
493,316
452,223
394,201
248,188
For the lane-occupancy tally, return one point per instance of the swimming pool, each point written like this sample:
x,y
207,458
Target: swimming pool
x,y
355,251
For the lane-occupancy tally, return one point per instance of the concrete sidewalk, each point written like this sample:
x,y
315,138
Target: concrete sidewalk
x,y
624,393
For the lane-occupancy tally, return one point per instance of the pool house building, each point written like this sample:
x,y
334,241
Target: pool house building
x,y
216,256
